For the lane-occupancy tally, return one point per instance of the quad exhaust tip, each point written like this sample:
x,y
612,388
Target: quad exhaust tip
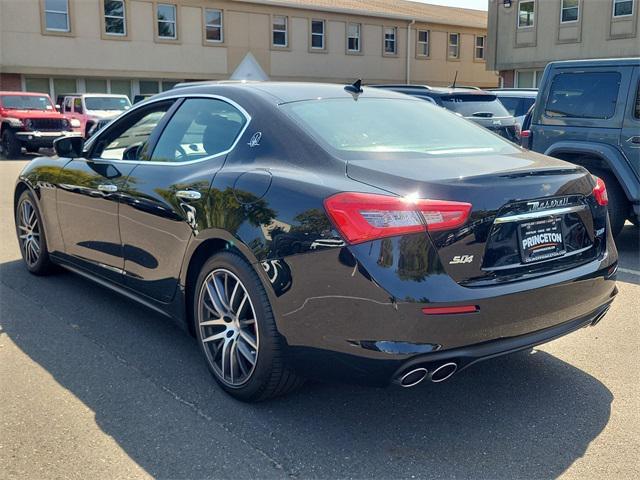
x,y
443,372
414,376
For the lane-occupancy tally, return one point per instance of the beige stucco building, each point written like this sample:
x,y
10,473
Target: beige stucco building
x,y
524,35
143,46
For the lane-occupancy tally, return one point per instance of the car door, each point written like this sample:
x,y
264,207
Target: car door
x,y
630,133
165,199
89,193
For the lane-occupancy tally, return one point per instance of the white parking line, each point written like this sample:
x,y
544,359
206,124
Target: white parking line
x,y
629,271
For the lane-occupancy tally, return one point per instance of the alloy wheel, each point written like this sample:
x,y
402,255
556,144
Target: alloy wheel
x,y
29,232
228,327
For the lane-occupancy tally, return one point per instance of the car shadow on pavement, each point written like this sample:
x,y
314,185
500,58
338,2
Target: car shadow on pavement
x,y
521,416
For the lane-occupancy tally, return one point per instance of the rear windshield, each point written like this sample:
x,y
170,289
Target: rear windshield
x,y
385,125
107,103
517,106
583,95
475,105
26,102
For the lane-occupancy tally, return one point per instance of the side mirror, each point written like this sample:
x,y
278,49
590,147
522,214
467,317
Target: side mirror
x,y
69,147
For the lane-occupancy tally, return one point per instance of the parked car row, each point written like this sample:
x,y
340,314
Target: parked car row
x,y
90,108
586,112
31,120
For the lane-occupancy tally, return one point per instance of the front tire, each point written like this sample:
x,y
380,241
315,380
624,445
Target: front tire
x,y
11,146
237,333
31,236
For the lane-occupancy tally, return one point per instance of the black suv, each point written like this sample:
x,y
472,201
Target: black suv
x,y
474,104
588,112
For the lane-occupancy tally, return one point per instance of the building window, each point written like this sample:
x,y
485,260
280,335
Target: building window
x,y
36,84
317,34
423,43
148,87
56,15
62,86
480,41
95,85
526,13
213,25
454,45
622,8
353,37
280,35
166,15
528,78
390,44
569,11
121,87
114,17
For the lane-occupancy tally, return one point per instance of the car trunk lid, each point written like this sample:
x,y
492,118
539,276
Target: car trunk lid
x,y
530,215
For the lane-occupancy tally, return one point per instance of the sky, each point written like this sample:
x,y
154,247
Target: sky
x,y
475,4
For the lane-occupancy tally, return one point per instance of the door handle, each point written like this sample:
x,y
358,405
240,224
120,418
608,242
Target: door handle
x,y
188,195
108,188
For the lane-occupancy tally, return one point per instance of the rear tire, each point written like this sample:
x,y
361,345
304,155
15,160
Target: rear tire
x,y
11,146
31,236
618,205
228,336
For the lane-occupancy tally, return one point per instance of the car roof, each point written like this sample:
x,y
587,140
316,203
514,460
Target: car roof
x,y
435,91
91,95
596,62
280,92
516,92
29,94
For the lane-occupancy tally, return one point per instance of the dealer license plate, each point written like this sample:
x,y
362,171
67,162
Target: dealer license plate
x,y
541,239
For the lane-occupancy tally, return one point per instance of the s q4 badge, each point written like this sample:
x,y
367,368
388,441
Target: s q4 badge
x,y
461,259
255,139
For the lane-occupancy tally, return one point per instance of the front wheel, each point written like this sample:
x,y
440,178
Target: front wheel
x,y
31,236
236,331
11,146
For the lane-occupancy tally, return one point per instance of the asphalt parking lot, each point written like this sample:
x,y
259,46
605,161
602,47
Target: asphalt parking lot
x,y
94,386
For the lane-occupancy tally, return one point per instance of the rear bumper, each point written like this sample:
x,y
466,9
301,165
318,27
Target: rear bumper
x,y
467,356
341,324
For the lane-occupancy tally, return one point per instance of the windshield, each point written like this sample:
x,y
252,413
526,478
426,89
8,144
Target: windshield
x,y
474,105
26,102
380,125
107,103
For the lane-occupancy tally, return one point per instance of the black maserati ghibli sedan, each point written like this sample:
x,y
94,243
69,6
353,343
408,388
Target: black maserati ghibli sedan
x,y
323,231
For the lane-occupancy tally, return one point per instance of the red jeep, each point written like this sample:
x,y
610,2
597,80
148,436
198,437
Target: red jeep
x,y
29,120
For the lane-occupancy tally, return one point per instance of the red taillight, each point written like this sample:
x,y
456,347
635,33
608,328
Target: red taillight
x,y
525,133
365,216
600,192
450,310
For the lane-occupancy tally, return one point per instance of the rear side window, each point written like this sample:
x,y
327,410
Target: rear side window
x,y
201,127
475,105
583,95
